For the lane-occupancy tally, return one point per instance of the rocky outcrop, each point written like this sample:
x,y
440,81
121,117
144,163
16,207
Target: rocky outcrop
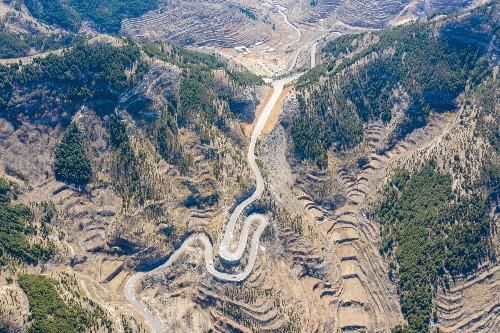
x,y
244,107
154,94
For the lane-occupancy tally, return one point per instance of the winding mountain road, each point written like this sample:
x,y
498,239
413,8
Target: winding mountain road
x,y
229,253
226,251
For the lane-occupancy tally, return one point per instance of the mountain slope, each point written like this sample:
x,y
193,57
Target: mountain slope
x,y
155,129
386,122
121,162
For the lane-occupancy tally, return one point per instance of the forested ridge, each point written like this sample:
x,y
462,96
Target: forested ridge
x,y
431,62
100,77
104,15
202,99
98,74
86,73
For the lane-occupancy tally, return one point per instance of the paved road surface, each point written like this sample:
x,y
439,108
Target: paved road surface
x,y
313,54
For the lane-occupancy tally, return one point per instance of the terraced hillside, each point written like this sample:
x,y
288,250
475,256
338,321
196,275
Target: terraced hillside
x,y
216,23
374,14
444,7
370,14
388,128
